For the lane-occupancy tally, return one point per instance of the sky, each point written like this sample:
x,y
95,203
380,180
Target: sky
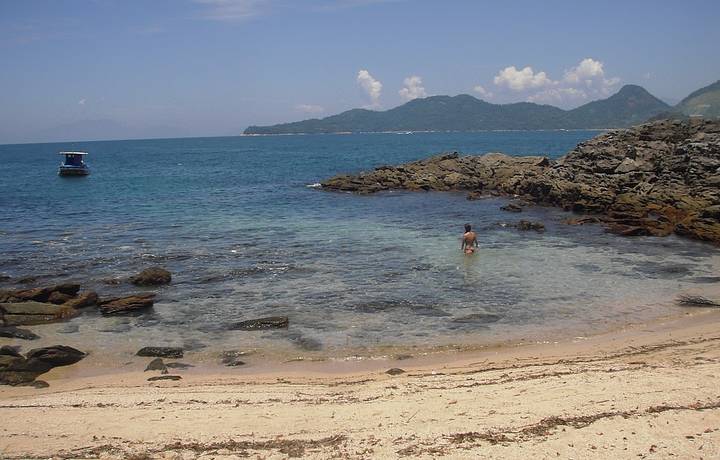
x,y
102,69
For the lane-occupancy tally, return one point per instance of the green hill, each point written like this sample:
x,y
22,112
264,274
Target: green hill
x,y
632,104
704,102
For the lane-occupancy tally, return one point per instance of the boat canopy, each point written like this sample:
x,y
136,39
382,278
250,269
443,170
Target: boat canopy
x,y
72,153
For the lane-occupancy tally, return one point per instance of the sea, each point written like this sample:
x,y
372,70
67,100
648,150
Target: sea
x,y
246,232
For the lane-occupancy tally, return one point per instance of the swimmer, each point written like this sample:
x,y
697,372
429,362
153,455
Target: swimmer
x,y
469,241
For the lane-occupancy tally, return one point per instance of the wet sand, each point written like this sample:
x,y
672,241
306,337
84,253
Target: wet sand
x,y
644,391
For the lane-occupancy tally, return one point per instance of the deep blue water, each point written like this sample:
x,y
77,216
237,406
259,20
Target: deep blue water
x,y
235,221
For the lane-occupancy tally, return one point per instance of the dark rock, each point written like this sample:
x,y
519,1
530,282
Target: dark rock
x,y
161,352
125,305
153,276
58,298
7,350
17,333
164,377
56,355
511,207
15,378
475,195
156,364
271,322
395,371
86,299
526,225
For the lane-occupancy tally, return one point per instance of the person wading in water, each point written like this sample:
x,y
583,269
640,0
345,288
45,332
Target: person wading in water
x,y
469,240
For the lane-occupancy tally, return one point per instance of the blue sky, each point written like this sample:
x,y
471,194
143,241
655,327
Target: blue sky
x,y
124,68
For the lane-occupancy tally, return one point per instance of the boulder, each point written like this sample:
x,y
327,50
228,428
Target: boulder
x,y
56,355
271,322
124,305
86,299
17,333
395,371
153,276
161,352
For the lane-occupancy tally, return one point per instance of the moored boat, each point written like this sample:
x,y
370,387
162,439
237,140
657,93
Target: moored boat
x,y
73,164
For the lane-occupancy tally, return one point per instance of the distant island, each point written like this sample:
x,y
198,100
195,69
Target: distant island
x,y
629,106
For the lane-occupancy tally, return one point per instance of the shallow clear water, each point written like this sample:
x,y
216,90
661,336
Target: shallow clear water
x,y
235,222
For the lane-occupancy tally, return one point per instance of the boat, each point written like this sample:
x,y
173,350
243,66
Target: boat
x,y
73,164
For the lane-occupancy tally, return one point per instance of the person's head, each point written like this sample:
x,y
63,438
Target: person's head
x,y
467,228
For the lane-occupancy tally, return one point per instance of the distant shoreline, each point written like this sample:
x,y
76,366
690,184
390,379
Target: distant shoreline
x,y
345,133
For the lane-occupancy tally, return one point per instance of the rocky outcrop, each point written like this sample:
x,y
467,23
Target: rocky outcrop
x,y
153,276
125,305
445,172
654,179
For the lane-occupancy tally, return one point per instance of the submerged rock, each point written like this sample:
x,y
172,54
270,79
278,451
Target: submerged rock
x,y
161,352
270,322
17,333
482,318
125,305
33,312
153,276
526,225
511,207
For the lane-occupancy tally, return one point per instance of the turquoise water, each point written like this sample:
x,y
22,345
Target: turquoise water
x,y
235,221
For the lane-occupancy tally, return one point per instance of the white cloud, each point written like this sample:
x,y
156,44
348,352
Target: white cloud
x,y
590,75
82,101
372,87
231,10
520,80
413,89
483,92
585,81
309,108
558,96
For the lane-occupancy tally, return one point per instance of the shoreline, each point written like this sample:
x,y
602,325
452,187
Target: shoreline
x,y
459,406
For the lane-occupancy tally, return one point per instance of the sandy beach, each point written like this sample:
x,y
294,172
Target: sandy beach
x,y
646,391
